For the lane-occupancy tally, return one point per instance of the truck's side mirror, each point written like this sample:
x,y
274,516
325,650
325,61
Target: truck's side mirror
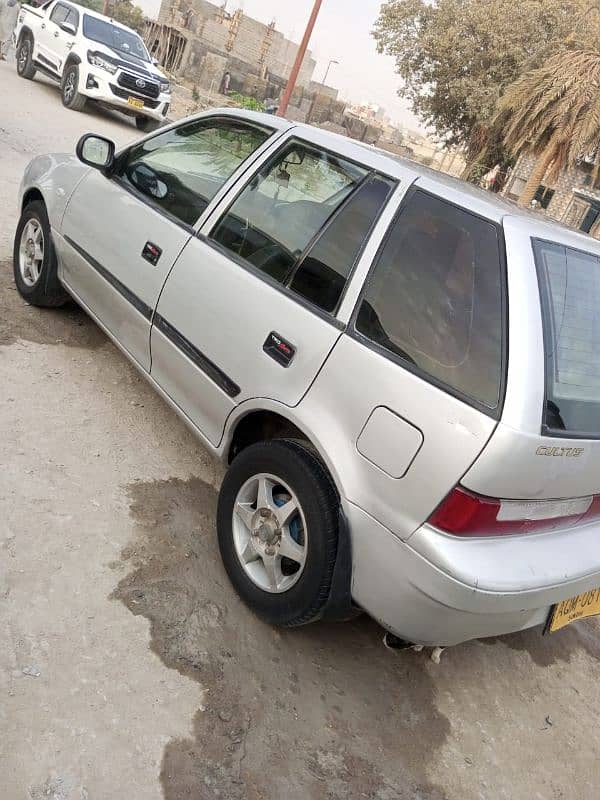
x,y
96,151
68,27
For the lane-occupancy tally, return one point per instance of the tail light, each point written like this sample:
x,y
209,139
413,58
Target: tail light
x,y
466,514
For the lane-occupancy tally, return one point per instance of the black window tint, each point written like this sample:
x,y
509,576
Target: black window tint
x,y
284,207
322,275
73,18
183,169
570,285
435,298
59,14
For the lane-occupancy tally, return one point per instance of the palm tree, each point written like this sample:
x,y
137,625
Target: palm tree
x,y
553,111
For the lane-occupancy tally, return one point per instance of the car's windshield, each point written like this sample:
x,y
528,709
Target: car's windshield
x,y
115,37
570,284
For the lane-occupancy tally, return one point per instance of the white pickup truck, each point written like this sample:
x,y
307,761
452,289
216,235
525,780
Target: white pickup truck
x,y
93,58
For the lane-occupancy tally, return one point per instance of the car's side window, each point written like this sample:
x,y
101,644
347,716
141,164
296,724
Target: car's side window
x,y
302,192
434,298
182,169
59,14
73,17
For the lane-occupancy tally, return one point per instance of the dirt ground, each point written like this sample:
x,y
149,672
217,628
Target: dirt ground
x,y
129,668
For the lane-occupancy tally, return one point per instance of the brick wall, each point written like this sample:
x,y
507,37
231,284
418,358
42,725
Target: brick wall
x,y
567,204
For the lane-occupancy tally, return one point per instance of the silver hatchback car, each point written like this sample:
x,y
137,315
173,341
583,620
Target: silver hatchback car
x,y
402,372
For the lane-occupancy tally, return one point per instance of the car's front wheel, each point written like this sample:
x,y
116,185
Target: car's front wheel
x,y
277,525
25,68
34,259
71,96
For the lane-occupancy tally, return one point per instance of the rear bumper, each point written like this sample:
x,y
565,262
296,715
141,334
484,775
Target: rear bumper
x,y
101,86
428,604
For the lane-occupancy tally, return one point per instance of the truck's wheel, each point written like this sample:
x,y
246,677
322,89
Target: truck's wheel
x,y
277,525
34,259
70,96
25,68
146,124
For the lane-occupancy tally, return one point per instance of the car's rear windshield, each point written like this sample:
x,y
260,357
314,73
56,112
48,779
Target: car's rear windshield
x,y
115,37
570,287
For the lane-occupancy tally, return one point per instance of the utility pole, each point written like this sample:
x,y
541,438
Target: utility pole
x,y
327,70
106,5
291,84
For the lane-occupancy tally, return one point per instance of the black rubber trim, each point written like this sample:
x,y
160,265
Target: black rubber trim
x,y
339,606
217,375
132,298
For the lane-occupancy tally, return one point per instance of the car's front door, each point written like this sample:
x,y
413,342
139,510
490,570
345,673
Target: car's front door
x,y
249,308
122,234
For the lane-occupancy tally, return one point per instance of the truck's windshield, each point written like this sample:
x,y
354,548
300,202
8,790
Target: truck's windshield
x,y
570,286
115,37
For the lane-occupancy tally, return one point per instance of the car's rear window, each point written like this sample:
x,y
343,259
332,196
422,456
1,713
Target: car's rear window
x,y
570,287
434,299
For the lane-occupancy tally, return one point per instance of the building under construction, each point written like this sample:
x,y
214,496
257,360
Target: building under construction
x,y
199,41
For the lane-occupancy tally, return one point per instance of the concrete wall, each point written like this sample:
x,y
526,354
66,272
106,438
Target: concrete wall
x,y
264,51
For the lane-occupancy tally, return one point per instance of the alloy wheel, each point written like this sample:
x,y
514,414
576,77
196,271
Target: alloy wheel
x,y
269,533
31,252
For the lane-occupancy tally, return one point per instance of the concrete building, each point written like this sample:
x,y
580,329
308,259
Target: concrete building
x,y
200,41
574,198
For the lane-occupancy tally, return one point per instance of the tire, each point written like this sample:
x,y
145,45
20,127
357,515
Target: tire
x,y
24,55
71,98
146,125
298,476
36,278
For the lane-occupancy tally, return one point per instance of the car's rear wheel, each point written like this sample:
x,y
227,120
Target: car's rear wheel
x,y
277,524
146,125
25,68
69,89
34,259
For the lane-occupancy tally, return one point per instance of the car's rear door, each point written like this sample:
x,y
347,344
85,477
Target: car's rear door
x,y
249,309
59,40
44,37
122,234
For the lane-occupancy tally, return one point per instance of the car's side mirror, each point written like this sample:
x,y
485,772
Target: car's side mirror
x,y
155,61
68,27
96,151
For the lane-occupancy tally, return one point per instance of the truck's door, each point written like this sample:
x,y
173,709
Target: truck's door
x,y
60,32
249,308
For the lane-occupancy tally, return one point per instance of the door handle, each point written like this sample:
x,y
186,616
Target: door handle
x,y
151,253
43,25
279,350
55,34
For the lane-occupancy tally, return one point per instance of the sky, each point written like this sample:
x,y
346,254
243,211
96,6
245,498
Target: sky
x,y
343,33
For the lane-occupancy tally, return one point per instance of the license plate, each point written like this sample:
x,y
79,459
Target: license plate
x,y
580,607
133,101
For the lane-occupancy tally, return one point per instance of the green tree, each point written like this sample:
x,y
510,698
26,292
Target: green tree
x,y
93,5
123,11
456,57
553,111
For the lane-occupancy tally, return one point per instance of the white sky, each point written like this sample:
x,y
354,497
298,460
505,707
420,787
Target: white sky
x,y
343,32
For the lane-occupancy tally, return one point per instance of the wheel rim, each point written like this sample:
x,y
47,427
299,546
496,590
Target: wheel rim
x,y
31,252
269,533
69,89
23,55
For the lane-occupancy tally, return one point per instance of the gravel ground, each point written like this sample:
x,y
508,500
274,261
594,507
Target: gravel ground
x,y
128,667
